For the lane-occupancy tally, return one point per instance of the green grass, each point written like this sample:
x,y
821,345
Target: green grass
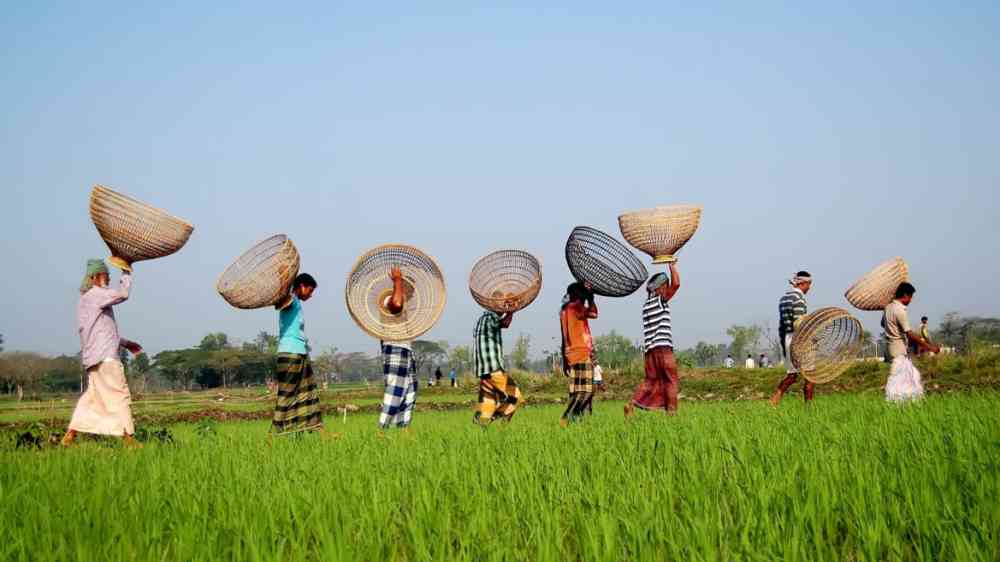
x,y
851,478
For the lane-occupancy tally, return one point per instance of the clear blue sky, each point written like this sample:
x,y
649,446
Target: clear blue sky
x,y
827,138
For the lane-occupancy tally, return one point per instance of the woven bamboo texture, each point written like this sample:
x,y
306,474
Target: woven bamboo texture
x,y
608,265
877,288
826,343
262,276
133,230
661,231
506,280
369,288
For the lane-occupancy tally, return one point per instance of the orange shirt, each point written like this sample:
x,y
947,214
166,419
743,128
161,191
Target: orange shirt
x,y
576,333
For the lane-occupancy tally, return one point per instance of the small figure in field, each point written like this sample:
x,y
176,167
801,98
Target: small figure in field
x,y
452,375
764,361
791,308
106,406
297,406
578,349
729,363
904,379
749,363
661,385
400,395
499,395
437,376
925,332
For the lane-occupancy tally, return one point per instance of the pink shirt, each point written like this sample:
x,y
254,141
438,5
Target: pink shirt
x,y
99,337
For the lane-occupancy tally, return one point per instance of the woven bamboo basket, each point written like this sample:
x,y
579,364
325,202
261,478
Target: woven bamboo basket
x,y
133,230
369,289
661,231
826,343
506,280
608,265
262,276
877,288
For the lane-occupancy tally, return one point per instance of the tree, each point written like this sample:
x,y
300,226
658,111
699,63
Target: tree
x,y
744,338
424,351
62,374
214,342
522,349
615,350
705,355
460,357
265,342
325,364
22,369
227,362
140,368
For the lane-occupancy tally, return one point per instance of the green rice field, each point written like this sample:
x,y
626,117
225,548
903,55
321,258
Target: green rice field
x,y
850,478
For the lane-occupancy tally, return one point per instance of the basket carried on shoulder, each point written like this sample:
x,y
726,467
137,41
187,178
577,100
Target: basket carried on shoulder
x,y
661,231
826,343
877,288
133,230
369,288
506,280
608,265
262,276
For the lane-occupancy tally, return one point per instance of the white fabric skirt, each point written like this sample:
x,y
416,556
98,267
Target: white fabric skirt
x,y
106,407
904,381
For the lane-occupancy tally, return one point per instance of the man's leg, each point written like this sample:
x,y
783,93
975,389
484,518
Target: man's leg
x,y
669,364
392,398
409,403
511,396
783,387
807,391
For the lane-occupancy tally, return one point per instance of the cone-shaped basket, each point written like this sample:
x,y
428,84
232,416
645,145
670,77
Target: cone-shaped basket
x,y
608,265
369,287
877,288
506,280
262,276
133,230
826,343
661,231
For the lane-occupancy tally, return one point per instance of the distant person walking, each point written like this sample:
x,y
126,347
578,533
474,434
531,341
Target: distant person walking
x,y
106,406
904,379
578,349
749,363
791,308
925,332
437,376
499,395
297,405
452,376
661,384
764,362
729,363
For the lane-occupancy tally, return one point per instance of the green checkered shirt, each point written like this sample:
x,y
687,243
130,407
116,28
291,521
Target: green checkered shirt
x,y
489,344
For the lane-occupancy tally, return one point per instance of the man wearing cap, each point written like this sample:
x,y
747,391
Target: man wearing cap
x,y
105,408
791,309
659,389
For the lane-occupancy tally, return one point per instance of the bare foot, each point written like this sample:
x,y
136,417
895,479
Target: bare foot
x,y
775,399
563,422
130,442
629,410
68,439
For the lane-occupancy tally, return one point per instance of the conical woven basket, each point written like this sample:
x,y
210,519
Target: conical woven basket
x,y
369,287
661,231
826,343
506,280
608,265
262,276
133,230
877,288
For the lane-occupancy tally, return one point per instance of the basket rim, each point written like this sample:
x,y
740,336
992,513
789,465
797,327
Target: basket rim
x,y
98,188
287,240
650,210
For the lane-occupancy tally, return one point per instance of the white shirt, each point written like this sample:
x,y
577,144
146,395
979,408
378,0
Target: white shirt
x,y
749,363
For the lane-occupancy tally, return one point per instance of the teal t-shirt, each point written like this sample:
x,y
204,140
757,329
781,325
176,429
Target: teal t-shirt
x,y
292,329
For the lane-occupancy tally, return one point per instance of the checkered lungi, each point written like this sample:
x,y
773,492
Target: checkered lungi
x,y
297,406
400,387
499,398
583,377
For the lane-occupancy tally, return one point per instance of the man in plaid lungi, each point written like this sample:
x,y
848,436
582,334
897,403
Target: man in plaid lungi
x,y
400,394
499,395
578,349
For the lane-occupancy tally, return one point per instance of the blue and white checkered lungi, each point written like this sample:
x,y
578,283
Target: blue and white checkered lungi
x,y
400,387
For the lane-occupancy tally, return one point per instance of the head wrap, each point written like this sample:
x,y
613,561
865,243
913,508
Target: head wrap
x,y
94,267
796,279
657,281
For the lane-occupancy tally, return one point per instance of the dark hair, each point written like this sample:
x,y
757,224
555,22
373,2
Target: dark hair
x,y
304,279
905,290
803,273
577,292
923,318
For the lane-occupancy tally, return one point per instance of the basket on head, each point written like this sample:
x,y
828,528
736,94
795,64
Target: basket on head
x,y
661,231
877,288
135,231
262,276
369,288
608,265
506,280
826,343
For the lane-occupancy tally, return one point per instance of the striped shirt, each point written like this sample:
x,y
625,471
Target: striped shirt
x,y
656,329
489,344
791,307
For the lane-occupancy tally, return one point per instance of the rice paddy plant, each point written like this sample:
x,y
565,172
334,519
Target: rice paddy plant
x,y
851,478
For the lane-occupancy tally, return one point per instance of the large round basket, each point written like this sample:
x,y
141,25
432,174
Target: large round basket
x,y
661,231
608,265
133,230
262,276
369,289
826,343
877,288
506,280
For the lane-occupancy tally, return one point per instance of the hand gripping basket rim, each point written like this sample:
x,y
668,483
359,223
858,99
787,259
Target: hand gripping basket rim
x,y
273,296
426,324
108,206
515,302
645,229
876,289
610,281
806,335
